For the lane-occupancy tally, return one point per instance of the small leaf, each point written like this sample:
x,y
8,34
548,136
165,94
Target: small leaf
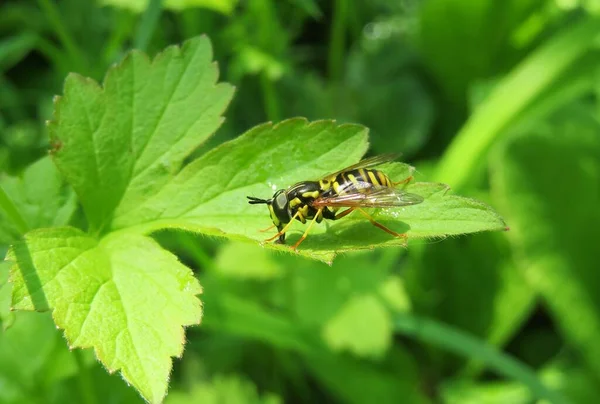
x,y
363,326
123,295
270,157
41,196
118,144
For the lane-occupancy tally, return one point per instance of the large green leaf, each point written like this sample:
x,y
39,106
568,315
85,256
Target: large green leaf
x,y
124,296
118,144
270,157
549,185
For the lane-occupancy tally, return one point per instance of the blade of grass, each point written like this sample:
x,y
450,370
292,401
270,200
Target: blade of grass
x,y
337,41
270,98
12,212
148,24
461,343
67,40
515,93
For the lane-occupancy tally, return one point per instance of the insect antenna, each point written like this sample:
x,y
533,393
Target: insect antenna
x,y
254,201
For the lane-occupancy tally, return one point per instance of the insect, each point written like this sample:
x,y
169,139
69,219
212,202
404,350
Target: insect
x,y
355,187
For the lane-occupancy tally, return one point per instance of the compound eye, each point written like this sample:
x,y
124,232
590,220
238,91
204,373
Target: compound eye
x,y
281,200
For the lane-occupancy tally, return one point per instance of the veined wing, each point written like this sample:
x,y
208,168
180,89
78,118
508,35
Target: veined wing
x,y
367,163
370,197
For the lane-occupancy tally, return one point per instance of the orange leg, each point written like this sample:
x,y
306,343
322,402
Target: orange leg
x,y
295,246
382,227
344,213
404,181
267,229
287,226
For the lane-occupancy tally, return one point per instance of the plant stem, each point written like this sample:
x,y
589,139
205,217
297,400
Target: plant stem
x,y
511,97
148,24
461,343
12,212
204,260
119,34
269,98
83,377
75,54
54,55
337,40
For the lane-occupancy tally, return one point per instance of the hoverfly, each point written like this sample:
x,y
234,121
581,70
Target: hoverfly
x,y
355,187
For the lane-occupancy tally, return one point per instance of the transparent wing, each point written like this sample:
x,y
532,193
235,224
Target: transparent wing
x,y
368,163
368,196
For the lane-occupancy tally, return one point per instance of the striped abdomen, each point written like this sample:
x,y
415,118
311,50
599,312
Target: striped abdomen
x,y
360,179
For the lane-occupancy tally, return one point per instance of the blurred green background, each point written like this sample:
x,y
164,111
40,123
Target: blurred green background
x,y
498,98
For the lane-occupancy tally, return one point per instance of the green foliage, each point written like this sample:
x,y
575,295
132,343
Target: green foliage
x,y
33,353
119,145
497,99
223,390
557,220
249,166
124,296
223,6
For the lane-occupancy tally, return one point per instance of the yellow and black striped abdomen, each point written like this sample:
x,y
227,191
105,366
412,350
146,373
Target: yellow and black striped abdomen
x,y
357,179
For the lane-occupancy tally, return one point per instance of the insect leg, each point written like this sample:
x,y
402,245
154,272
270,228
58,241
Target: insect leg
x,y
282,231
404,181
267,229
344,213
295,246
382,227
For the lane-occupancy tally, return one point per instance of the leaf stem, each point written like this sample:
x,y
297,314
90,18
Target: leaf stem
x,y
12,212
148,24
337,40
67,40
463,344
511,97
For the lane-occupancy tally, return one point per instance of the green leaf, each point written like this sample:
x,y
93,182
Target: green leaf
x,y
41,198
269,157
222,6
363,326
123,295
118,144
549,185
